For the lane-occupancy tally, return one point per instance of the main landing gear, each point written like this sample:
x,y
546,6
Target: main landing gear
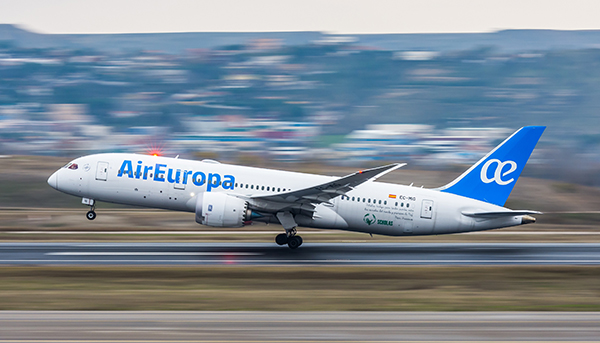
x,y
289,238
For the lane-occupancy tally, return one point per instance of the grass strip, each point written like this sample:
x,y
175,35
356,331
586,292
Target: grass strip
x,y
332,288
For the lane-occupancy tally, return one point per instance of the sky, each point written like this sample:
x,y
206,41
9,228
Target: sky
x,y
332,16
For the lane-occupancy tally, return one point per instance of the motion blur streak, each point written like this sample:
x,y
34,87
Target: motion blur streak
x,y
164,326
312,254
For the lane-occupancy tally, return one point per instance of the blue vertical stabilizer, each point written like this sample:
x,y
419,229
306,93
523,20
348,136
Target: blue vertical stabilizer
x,y
494,176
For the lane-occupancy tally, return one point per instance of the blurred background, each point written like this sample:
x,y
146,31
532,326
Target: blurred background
x,y
432,100
306,85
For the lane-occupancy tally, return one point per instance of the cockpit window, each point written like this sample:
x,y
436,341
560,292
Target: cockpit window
x,y
73,166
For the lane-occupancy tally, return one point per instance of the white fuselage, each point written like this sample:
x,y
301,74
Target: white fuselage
x,y
373,207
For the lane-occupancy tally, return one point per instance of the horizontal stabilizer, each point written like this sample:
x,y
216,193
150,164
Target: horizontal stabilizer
x,y
490,215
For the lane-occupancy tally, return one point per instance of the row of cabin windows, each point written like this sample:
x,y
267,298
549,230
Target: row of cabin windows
x,y
261,188
344,197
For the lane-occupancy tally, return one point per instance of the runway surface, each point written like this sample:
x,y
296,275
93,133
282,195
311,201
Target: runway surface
x,y
307,254
34,326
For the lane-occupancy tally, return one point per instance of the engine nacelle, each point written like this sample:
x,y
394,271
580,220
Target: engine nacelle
x,y
221,210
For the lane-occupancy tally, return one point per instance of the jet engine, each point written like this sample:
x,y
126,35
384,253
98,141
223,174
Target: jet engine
x,y
221,210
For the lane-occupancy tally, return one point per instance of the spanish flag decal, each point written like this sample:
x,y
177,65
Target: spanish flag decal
x,y
393,196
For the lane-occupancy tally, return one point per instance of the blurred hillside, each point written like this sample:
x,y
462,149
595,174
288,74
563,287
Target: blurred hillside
x,y
507,41
433,100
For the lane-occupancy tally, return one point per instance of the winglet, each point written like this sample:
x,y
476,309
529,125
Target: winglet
x,y
391,168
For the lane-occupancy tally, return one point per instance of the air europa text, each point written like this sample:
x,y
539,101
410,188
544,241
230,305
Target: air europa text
x,y
163,173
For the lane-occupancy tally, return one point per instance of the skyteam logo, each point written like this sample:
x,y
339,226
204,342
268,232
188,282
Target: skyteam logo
x,y
502,169
369,218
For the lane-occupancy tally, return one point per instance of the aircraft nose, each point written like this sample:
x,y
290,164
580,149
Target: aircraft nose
x,y
53,180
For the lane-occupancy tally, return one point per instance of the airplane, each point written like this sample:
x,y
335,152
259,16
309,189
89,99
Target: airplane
x,y
225,195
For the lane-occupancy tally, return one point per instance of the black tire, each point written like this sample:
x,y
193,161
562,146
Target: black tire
x,y
300,238
91,215
281,239
294,242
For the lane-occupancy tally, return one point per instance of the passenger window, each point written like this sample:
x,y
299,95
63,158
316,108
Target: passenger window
x,y
279,189
252,187
236,185
402,205
352,198
262,188
396,204
268,188
246,185
407,205
379,202
369,201
364,200
385,202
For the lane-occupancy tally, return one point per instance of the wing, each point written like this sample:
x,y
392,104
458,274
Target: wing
x,y
306,198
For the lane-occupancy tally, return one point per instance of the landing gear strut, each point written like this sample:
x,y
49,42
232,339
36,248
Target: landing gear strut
x,y
289,237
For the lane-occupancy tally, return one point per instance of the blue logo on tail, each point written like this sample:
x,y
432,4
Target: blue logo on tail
x,y
494,176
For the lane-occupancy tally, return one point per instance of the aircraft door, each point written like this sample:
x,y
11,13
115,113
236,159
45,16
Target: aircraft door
x,y
427,209
102,171
179,181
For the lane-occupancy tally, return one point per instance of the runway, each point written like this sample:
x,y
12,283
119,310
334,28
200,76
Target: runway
x,y
245,327
307,254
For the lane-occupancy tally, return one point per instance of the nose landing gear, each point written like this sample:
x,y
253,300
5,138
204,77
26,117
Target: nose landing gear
x,y
91,215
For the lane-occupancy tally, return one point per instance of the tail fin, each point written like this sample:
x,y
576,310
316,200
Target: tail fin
x,y
494,176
